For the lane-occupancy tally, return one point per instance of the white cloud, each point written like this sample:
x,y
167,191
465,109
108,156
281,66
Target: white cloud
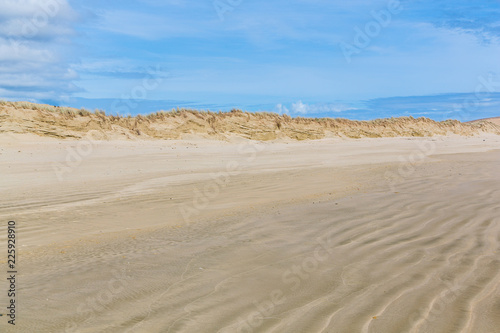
x,y
281,109
33,49
34,19
301,108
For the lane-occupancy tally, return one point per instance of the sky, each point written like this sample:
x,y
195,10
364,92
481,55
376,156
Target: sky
x,y
355,59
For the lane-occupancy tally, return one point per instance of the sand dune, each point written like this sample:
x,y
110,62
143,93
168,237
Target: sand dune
x,y
370,235
495,121
45,120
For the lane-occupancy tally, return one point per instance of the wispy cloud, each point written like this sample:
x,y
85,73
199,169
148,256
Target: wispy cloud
x,y
479,18
461,106
34,36
147,26
312,109
264,53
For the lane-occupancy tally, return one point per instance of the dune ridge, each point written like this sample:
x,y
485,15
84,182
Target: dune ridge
x,y
64,122
495,120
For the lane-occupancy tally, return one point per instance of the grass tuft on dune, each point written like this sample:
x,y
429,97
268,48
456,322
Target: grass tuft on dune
x,y
66,122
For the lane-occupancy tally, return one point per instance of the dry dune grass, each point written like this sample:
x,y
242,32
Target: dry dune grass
x,y
65,122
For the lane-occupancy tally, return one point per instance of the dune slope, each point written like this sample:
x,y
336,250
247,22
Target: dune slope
x,y
45,120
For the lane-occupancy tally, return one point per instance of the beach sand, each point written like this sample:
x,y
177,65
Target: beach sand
x,y
333,235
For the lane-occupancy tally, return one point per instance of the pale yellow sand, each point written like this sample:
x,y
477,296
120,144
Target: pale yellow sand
x,y
372,235
495,120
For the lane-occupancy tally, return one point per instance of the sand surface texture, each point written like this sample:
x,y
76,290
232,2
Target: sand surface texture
x,y
371,235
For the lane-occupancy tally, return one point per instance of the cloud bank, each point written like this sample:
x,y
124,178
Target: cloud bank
x,y
34,49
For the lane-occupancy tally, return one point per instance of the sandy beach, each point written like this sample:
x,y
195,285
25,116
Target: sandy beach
x,y
333,235
231,166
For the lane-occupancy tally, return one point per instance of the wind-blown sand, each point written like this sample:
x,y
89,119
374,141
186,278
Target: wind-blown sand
x,y
370,235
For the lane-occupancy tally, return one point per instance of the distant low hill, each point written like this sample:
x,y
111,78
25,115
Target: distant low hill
x,y
491,120
64,122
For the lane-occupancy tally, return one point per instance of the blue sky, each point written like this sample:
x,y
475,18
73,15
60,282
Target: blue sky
x,y
354,59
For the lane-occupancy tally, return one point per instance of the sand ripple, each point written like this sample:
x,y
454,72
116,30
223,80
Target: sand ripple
x,y
422,258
